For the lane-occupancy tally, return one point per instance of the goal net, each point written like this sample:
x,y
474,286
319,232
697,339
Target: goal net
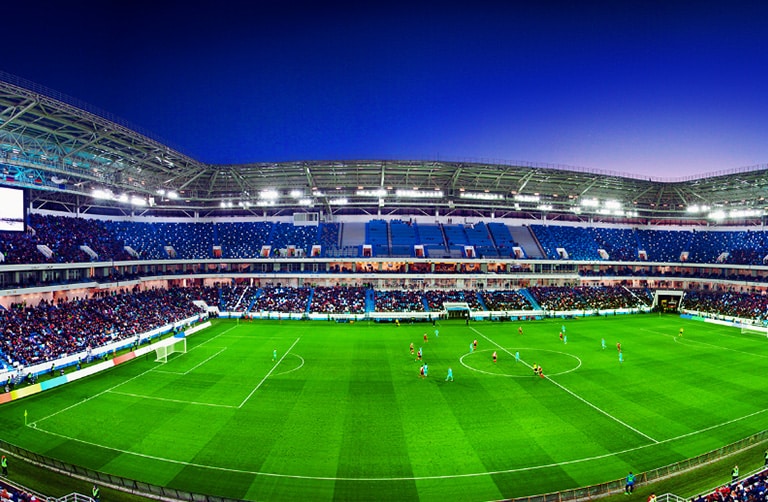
x,y
168,347
747,329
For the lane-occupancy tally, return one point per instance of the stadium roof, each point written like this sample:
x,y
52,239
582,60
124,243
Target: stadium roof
x,y
66,152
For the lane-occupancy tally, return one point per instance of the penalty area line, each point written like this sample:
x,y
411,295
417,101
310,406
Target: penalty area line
x,y
180,401
594,407
269,373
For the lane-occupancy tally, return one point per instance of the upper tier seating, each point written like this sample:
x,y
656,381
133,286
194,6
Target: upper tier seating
x,y
107,240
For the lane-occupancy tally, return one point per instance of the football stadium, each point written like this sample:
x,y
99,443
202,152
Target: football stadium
x,y
369,330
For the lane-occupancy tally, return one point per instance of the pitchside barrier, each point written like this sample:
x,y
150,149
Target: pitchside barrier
x,y
584,493
746,325
477,315
617,486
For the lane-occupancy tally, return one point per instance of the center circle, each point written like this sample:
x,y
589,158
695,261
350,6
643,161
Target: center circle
x,y
298,365
553,362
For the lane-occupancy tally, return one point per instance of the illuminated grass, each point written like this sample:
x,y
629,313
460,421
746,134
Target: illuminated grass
x,y
342,413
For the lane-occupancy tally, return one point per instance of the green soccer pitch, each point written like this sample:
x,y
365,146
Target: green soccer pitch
x,y
343,414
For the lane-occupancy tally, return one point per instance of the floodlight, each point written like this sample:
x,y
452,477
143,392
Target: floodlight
x,y
480,196
717,215
372,193
269,194
419,194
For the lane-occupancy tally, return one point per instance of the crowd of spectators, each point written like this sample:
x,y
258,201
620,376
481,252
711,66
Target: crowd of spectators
x,y
234,298
729,303
284,299
10,493
587,297
399,301
47,331
505,300
337,300
435,298
754,488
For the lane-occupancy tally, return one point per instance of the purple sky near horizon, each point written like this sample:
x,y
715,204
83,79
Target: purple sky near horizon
x,y
664,89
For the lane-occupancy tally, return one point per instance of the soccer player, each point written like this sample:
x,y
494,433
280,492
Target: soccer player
x,y
412,351
450,375
735,473
519,330
437,333
471,348
274,355
517,356
397,322
565,339
425,337
621,357
535,369
681,332
541,372
418,355
475,343
602,343
561,336
426,370
618,346
421,371
562,328
494,356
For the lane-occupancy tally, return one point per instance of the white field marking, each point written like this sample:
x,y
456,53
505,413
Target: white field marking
x,y
193,367
93,396
411,478
689,342
294,369
461,360
142,396
269,373
116,386
213,338
575,395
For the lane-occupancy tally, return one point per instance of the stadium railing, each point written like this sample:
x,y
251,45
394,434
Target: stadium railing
x,y
617,486
583,493
108,480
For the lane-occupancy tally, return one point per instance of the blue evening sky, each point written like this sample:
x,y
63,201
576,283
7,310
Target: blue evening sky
x,y
662,88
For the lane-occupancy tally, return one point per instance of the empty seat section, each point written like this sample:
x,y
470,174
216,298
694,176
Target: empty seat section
x,y
403,238
376,234
431,237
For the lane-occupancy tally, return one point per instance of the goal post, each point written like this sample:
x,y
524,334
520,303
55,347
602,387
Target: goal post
x,y
748,329
170,346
